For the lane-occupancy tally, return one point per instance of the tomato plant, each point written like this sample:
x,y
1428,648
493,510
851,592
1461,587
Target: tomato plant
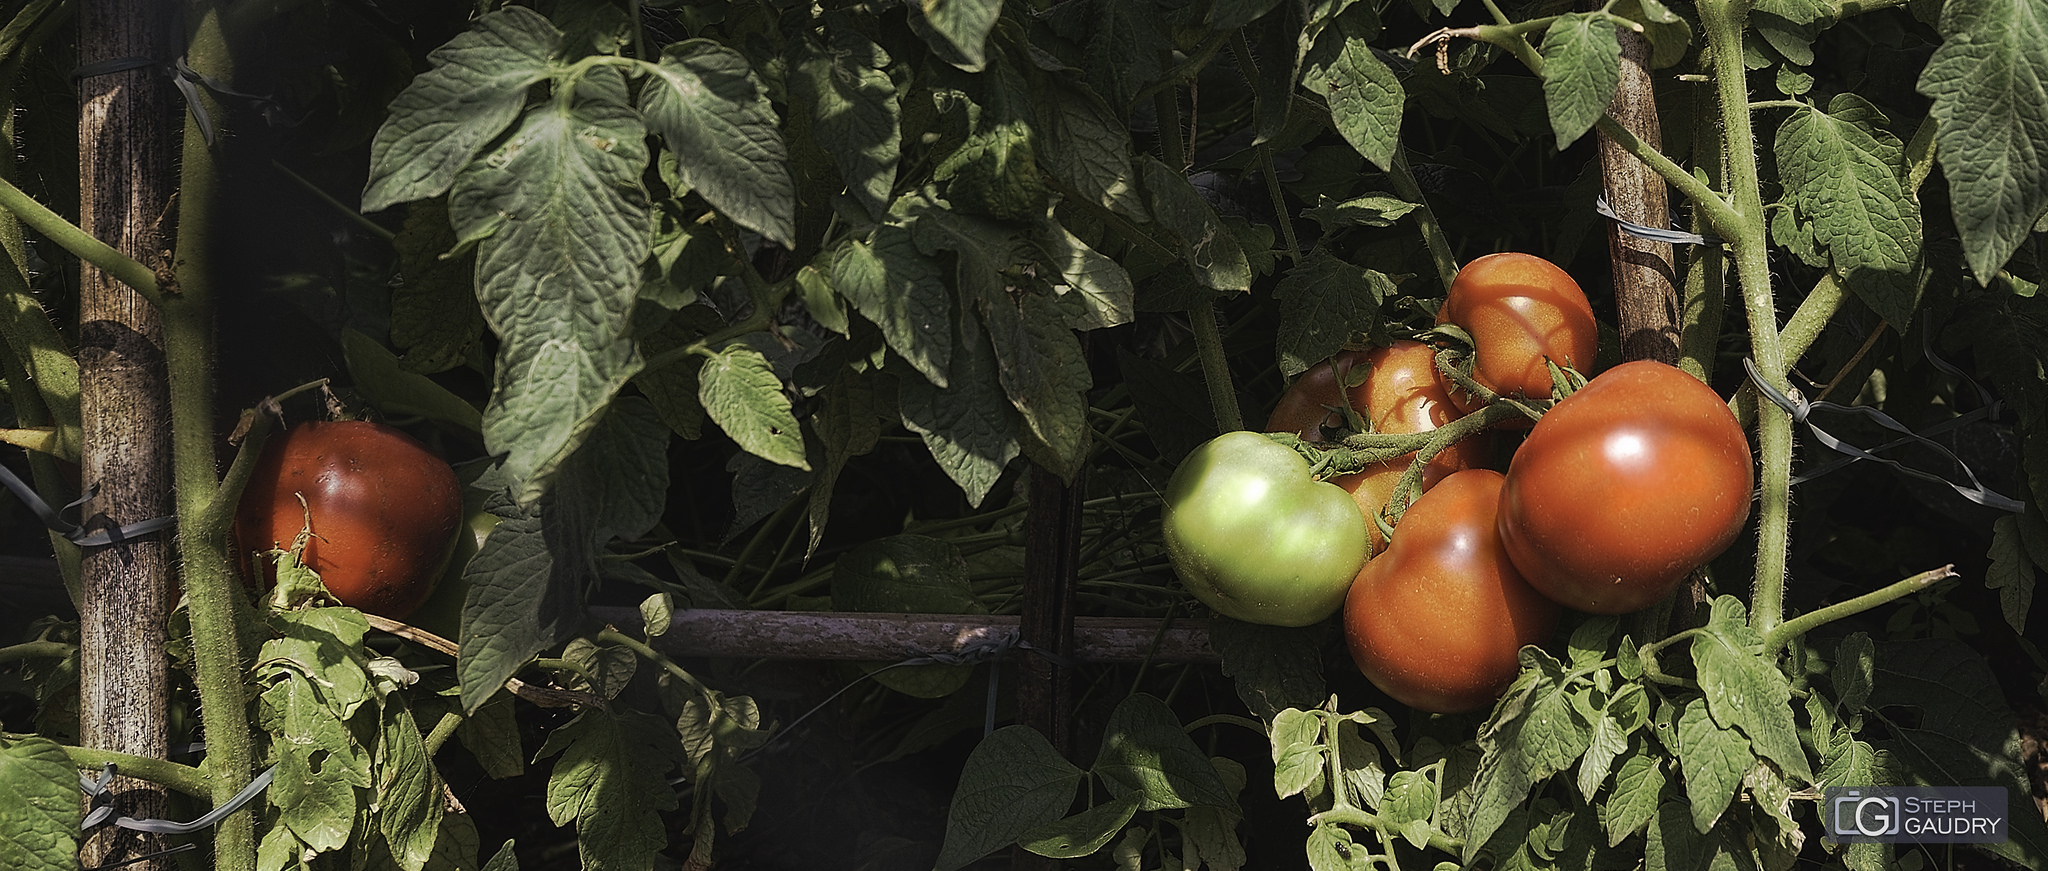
x,y
1521,312
382,511
1253,536
1437,620
1397,391
1627,485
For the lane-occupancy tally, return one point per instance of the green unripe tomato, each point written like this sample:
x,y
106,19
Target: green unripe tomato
x,y
1258,539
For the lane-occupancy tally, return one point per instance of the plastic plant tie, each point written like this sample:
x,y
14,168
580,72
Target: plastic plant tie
x,y
1674,237
96,789
53,518
1802,411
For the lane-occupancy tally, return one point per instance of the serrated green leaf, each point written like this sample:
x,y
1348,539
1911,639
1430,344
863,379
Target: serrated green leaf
x,y
1626,711
995,171
1146,753
1087,147
564,223
741,392
1672,844
1275,668
409,801
1084,833
1364,95
1535,731
1098,292
491,735
2011,572
723,136
1364,777
1211,832
1324,302
39,807
855,116
901,290
905,574
434,315
969,428
1044,372
611,781
1206,244
475,89
1371,210
1986,80
958,28
1714,759
1846,174
400,393
1411,798
1012,783
1122,45
1581,68
1638,788
1744,691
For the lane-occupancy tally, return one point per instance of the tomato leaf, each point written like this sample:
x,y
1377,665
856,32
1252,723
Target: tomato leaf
x,y
1638,787
1746,692
995,171
491,734
1581,67
434,315
1324,302
723,137
1627,710
1275,668
1845,173
564,224
742,393
957,29
1985,81
1535,732
1046,375
1371,210
1146,753
1087,148
1211,832
397,392
1965,734
475,90
1364,95
846,426
1714,758
1410,801
1084,833
971,428
1206,245
1012,783
2012,571
1097,292
901,290
38,805
854,113
611,781
409,804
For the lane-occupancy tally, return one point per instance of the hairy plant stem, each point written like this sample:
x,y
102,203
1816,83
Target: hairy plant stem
x,y
68,236
1215,366
1440,253
205,508
185,779
1785,632
1723,22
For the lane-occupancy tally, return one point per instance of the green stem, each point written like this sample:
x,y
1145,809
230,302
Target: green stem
x,y
1722,218
614,636
340,208
1784,632
205,510
1215,366
1800,332
1403,179
1723,22
186,779
444,729
36,650
68,236
1441,439
1360,817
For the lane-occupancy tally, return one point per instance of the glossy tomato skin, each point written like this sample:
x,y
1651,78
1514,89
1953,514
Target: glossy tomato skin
x,y
1254,537
1438,620
383,511
1625,487
1521,310
1401,393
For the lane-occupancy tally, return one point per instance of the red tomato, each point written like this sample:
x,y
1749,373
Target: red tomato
x,y
1438,620
1625,487
1520,310
1399,394
383,511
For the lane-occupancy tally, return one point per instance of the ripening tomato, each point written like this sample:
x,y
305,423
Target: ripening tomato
x,y
1625,487
1399,393
1438,620
383,511
1520,310
1258,539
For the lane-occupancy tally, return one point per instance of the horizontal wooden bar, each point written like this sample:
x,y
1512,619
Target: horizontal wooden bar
x,y
835,635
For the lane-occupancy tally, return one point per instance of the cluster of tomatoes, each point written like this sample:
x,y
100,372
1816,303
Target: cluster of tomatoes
x,y
1616,494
